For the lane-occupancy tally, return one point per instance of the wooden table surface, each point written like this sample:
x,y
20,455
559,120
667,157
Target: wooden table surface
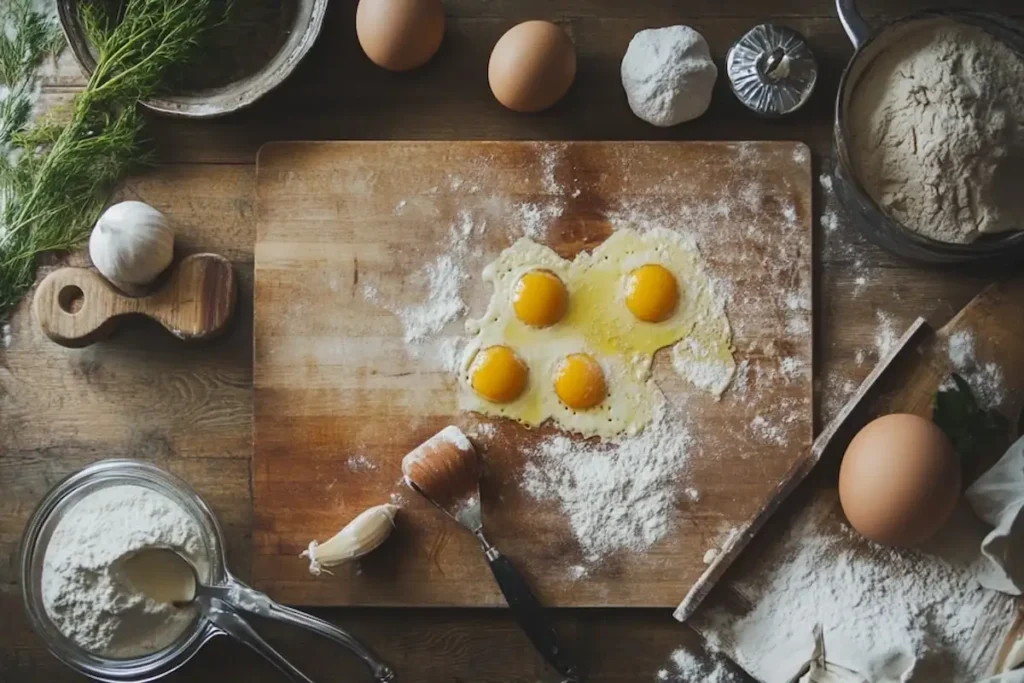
x,y
144,395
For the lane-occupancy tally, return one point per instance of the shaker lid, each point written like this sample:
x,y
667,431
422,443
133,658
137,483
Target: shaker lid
x,y
772,70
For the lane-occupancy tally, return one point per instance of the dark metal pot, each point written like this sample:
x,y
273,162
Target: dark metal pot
x,y
874,221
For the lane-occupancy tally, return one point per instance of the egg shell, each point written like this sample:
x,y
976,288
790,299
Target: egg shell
x,y
532,66
900,480
399,35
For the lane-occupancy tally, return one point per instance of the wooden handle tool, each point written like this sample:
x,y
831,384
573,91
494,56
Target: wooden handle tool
x,y
77,307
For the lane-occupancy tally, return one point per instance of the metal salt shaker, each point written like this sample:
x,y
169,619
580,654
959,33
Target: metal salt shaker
x,y
772,70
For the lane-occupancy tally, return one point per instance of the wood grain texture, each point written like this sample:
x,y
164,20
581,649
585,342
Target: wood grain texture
x,y
76,307
995,318
334,380
190,410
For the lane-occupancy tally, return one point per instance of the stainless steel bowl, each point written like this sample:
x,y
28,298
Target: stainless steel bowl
x,y
221,100
40,528
878,225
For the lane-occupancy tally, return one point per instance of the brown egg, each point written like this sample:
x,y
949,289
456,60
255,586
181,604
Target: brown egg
x,y
532,66
900,480
400,34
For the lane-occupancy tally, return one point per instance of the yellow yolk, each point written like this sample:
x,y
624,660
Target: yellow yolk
x,y
580,382
540,298
498,374
652,293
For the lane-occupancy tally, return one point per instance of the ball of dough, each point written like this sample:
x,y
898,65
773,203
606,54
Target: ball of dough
x,y
668,75
131,244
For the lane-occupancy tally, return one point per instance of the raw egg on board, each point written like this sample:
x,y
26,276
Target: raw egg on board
x,y
399,35
584,332
532,66
900,480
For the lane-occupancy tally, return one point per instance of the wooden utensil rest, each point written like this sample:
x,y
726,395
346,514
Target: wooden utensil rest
x,y
77,307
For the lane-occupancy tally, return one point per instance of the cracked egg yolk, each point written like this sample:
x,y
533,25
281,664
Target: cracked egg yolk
x,y
498,374
652,293
540,298
579,382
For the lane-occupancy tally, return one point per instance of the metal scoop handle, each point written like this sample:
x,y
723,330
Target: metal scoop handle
x,y
229,623
243,598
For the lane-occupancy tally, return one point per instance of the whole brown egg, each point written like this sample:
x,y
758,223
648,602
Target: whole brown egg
x,y
532,66
899,480
400,34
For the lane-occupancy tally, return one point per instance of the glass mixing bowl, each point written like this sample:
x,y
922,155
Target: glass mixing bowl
x,y
219,612
33,550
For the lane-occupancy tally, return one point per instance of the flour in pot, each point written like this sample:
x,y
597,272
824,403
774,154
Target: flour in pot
x,y
85,591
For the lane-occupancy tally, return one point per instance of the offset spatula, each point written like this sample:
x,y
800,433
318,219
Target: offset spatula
x,y
446,471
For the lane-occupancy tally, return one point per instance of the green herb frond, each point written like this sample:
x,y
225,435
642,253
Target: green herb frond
x,y
56,178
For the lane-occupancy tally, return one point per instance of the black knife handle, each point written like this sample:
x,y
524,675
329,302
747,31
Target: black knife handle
x,y
531,615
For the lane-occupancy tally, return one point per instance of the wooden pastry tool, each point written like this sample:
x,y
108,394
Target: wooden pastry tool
x,y
799,472
77,307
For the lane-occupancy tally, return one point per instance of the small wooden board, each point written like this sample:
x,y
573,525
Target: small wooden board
x,y
345,232
194,301
996,320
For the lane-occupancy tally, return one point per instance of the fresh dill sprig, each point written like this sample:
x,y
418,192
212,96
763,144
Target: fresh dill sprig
x,y
59,176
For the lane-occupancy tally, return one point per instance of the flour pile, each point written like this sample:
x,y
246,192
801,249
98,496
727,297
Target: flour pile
x,y
618,494
937,131
891,615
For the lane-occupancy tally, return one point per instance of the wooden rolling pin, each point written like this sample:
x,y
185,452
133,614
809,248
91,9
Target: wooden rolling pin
x,y
76,307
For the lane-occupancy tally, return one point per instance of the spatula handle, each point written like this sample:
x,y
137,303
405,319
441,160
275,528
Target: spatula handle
x,y
531,615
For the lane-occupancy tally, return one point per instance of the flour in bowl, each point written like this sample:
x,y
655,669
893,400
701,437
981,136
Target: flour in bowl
x,y
85,591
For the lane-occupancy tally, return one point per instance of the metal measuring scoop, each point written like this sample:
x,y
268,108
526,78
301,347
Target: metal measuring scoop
x,y
222,604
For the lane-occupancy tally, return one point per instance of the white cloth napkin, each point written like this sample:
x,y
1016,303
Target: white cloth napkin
x,y
997,497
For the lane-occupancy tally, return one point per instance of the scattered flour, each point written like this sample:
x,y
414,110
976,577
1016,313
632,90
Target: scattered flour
x,y
692,494
892,615
710,555
886,334
986,379
578,572
618,494
792,367
360,463
710,667
767,431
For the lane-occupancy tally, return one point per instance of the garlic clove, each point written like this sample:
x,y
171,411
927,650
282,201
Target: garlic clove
x,y
359,537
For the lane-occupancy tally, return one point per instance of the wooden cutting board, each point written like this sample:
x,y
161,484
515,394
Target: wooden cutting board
x,y
348,234
995,319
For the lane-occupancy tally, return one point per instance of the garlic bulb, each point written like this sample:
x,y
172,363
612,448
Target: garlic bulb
x,y
131,244
362,535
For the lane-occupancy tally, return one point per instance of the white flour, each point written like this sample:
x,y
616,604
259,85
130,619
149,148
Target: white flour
x,y
986,379
937,131
688,667
618,494
892,615
83,590
360,463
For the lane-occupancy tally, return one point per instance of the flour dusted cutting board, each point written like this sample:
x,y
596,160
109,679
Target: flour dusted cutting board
x,y
369,259
967,625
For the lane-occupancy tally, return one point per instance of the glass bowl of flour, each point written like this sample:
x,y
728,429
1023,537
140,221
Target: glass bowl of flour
x,y
77,584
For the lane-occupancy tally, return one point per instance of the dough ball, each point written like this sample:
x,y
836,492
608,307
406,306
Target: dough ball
x,y
668,75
